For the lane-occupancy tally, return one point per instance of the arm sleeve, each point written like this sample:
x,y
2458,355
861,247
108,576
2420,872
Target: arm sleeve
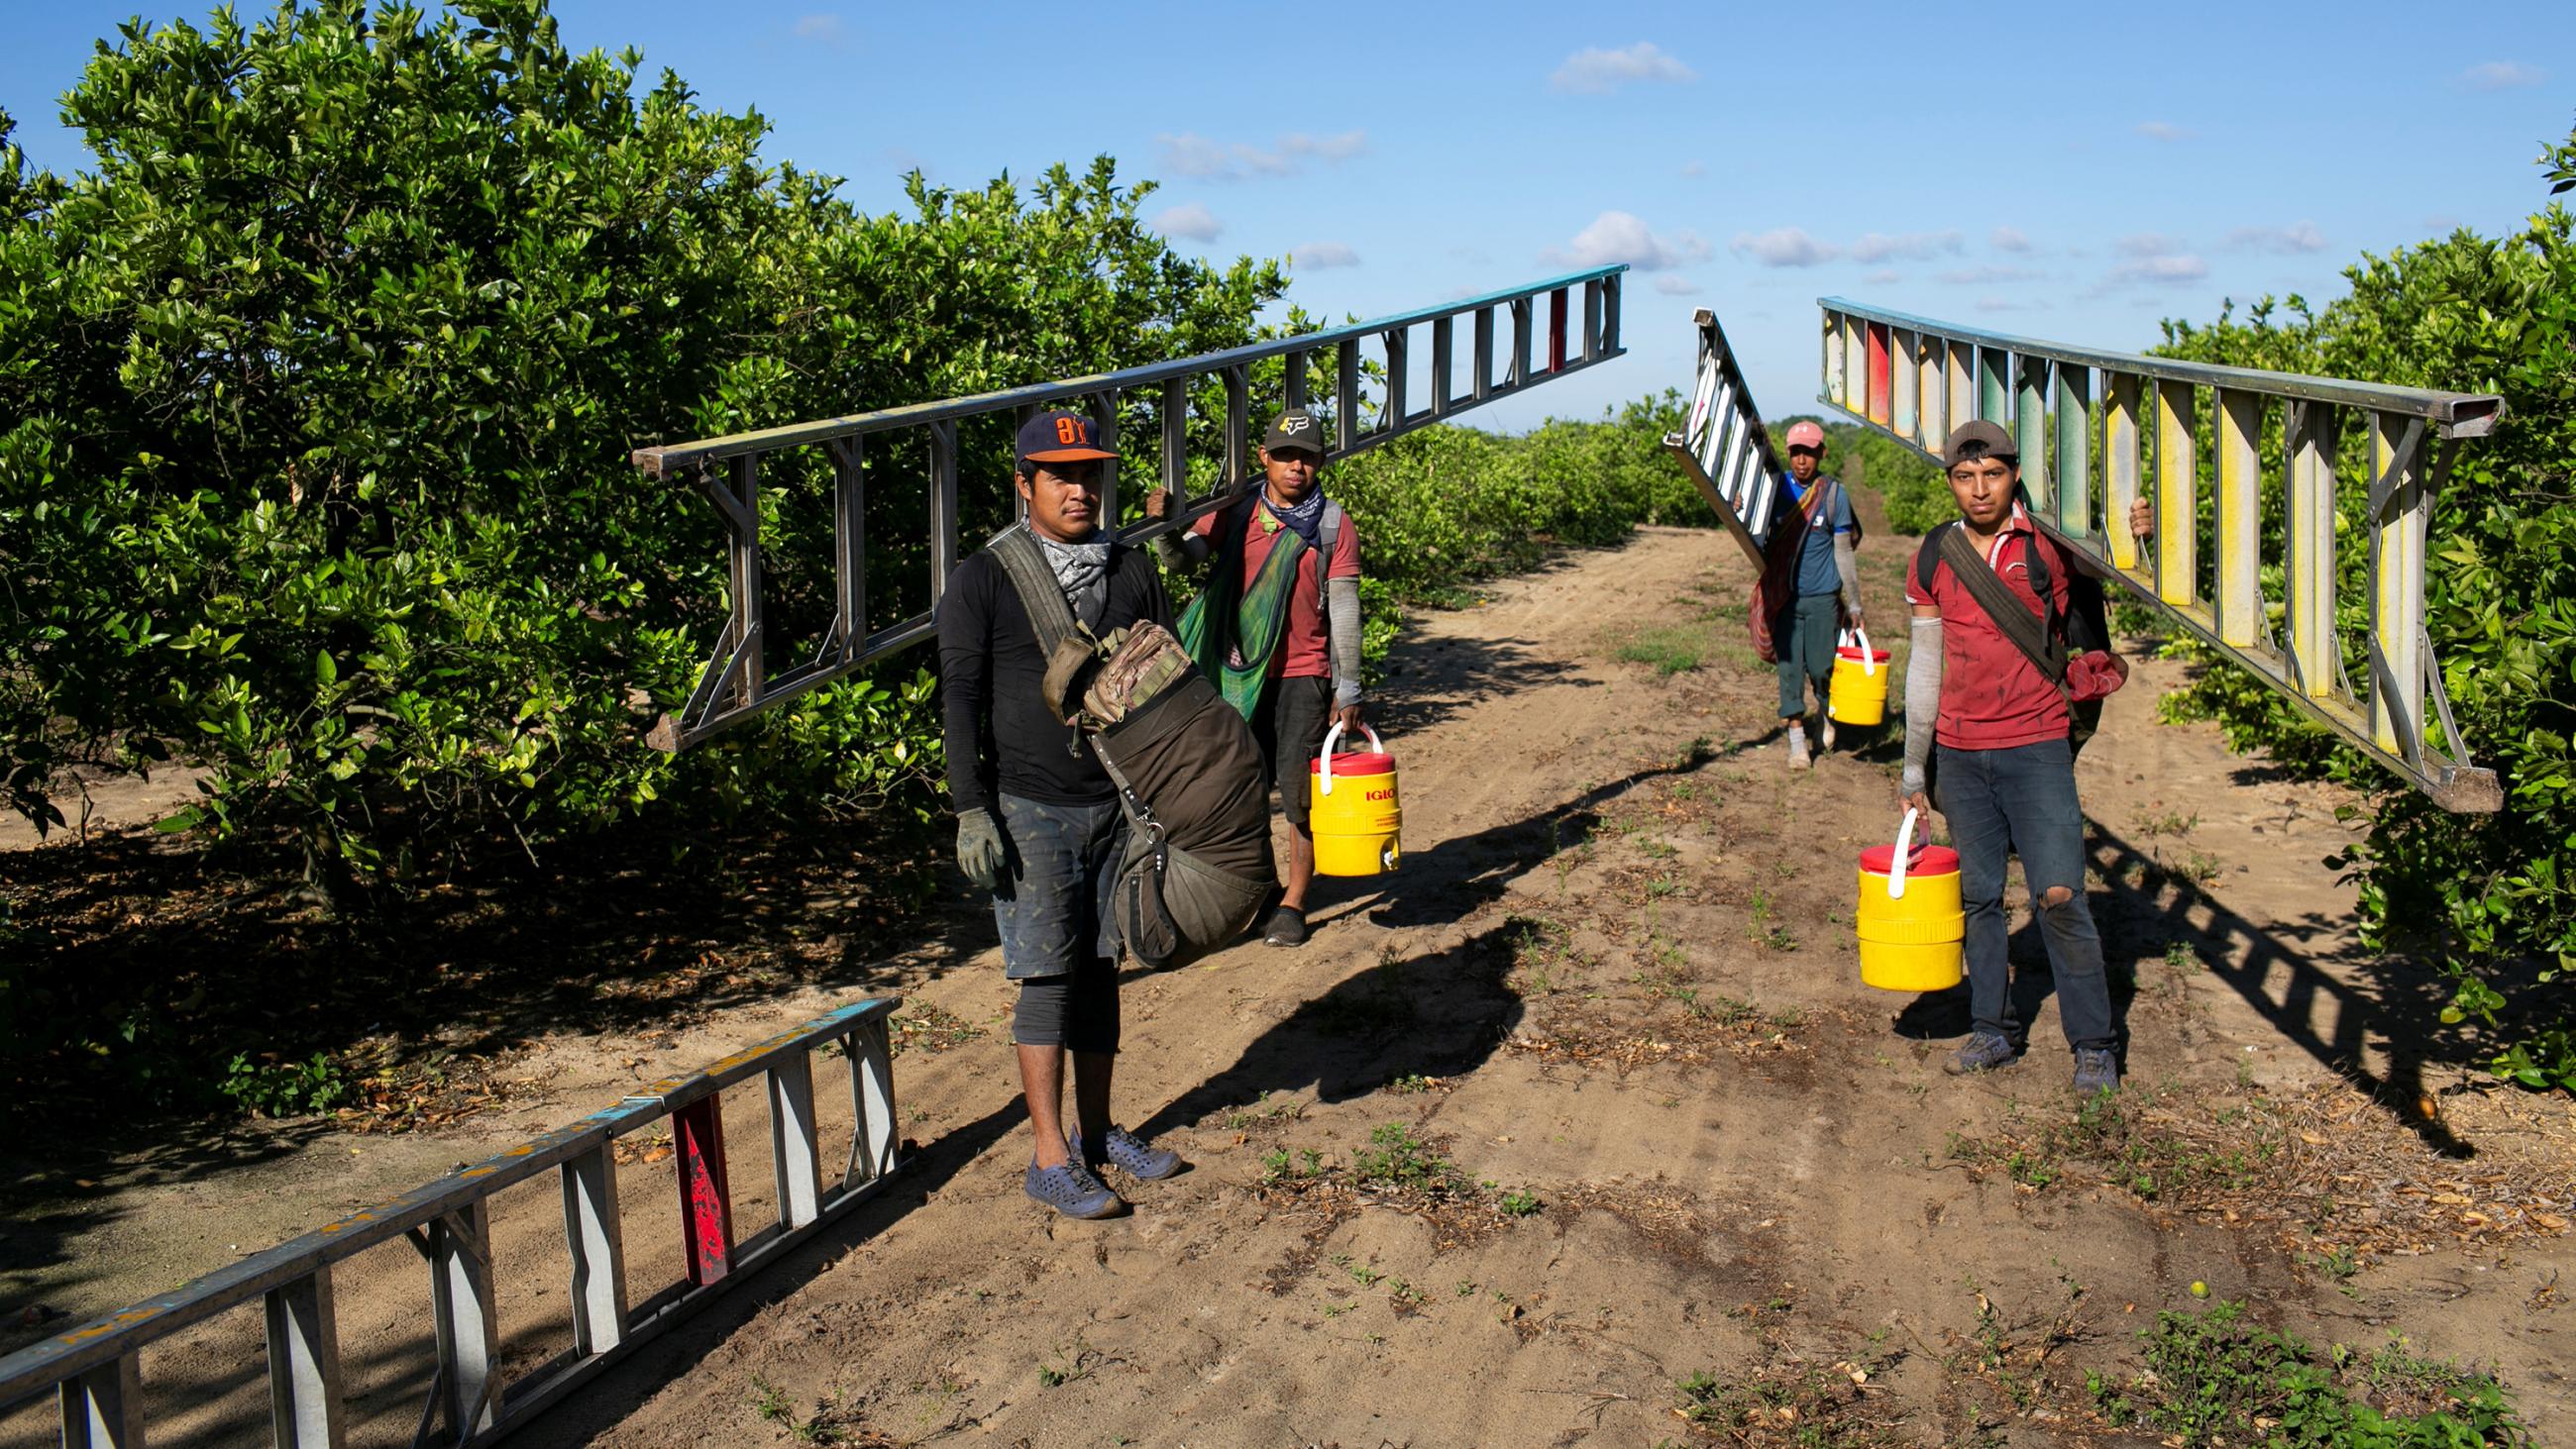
x,y
965,672
1922,699
1849,568
1342,599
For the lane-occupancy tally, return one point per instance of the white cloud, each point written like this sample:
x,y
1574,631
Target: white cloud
x,y
2147,244
1986,274
2162,271
1593,71
1316,256
1199,158
2502,75
1191,220
2165,131
1616,236
1998,304
1786,246
2008,239
1674,286
1694,170
1883,277
2286,240
1912,246
824,29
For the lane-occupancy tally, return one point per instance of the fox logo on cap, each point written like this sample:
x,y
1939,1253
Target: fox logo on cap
x,y
1295,428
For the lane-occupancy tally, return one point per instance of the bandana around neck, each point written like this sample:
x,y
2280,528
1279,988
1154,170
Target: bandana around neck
x,y
1082,571
1306,520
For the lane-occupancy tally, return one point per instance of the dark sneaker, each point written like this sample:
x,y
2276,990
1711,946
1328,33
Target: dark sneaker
x,y
1124,1150
1071,1190
1287,927
1984,1051
2097,1069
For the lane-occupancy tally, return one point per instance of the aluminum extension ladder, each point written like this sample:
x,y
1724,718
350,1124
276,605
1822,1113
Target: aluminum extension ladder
x,y
95,1371
1558,327
1724,446
2100,430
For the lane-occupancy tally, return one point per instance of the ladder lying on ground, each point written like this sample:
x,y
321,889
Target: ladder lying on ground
x,y
96,1369
2100,430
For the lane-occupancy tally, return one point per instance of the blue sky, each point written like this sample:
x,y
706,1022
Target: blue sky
x,y
2067,172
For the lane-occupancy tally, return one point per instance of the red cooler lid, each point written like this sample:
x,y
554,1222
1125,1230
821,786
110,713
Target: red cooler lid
x,y
1928,860
1852,651
1362,763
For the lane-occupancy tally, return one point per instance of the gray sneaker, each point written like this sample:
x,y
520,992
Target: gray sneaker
x,y
2097,1069
1983,1051
1071,1190
1128,1153
1825,735
1798,757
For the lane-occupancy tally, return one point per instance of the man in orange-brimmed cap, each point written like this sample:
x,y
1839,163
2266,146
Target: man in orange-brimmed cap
x,y
1038,820
1826,599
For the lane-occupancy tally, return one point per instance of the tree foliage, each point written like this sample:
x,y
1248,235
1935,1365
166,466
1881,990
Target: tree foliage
x,y
2494,895
318,388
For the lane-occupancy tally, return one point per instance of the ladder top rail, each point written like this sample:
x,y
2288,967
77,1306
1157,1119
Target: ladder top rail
x,y
38,1367
2457,414
665,460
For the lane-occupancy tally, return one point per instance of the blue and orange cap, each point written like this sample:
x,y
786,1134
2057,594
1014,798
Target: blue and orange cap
x,y
1060,437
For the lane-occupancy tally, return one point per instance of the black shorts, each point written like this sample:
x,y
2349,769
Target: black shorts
x,y
1290,723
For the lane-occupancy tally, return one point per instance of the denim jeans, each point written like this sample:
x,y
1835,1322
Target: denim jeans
x,y
2023,799
1060,865
1806,649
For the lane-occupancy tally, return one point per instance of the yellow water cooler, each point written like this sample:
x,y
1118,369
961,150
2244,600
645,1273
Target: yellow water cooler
x,y
1355,812
1909,920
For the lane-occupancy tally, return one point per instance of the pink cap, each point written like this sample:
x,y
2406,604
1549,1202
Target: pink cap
x,y
1806,435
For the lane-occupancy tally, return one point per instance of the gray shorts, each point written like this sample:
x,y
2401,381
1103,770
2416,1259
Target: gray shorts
x,y
1289,724
1060,864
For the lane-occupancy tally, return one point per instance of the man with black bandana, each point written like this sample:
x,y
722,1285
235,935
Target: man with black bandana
x,y
1038,821
1283,642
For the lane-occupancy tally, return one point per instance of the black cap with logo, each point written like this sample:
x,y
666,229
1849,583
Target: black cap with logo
x,y
1296,428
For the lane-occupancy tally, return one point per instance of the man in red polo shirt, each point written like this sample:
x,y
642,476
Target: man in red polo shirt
x,y
2005,766
1283,640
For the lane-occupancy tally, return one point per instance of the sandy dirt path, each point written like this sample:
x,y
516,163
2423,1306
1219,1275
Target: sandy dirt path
x,y
1586,1099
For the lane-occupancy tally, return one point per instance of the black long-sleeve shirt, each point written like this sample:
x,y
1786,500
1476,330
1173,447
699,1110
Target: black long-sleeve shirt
x,y
998,728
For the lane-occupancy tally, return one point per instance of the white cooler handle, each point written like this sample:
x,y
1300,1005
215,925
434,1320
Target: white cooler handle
x,y
1904,845
1335,733
1868,661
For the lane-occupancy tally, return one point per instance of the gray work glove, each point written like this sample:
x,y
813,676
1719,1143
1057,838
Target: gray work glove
x,y
979,847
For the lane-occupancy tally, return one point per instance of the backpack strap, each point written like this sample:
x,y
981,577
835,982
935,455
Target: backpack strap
x,y
1040,597
1326,536
1928,557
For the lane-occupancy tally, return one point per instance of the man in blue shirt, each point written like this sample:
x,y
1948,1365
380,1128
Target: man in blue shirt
x,y
1828,588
